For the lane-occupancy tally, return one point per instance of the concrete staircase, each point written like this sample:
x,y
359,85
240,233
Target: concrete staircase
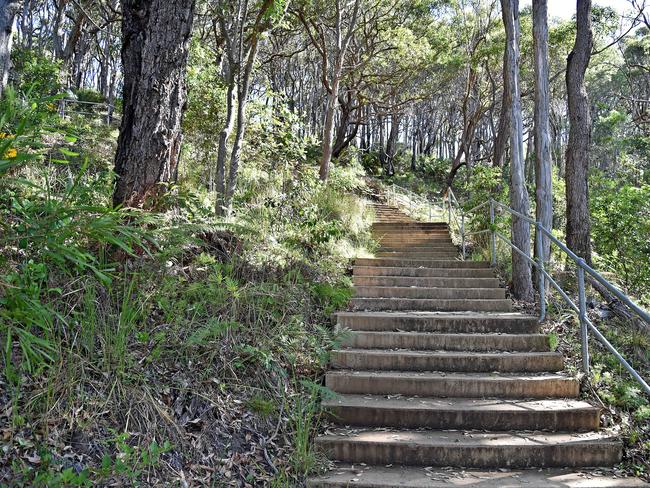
x,y
437,371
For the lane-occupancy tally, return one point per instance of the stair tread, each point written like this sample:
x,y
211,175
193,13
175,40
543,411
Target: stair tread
x,y
344,475
440,315
455,438
489,376
458,354
507,406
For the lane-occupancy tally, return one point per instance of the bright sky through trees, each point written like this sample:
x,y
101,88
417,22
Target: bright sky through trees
x,y
564,9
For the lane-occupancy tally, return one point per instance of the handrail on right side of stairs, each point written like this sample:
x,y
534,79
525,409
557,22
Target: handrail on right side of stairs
x,y
586,325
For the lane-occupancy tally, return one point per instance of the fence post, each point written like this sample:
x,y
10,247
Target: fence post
x,y
493,236
462,233
539,250
583,316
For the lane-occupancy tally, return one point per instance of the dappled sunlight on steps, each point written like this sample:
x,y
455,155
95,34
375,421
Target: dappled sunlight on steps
x,y
436,371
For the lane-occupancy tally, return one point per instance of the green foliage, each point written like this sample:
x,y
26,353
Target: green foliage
x,y
51,223
37,73
620,226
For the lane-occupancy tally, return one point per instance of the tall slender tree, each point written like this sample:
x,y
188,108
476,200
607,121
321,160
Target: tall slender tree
x,y
155,47
522,286
578,226
543,180
8,11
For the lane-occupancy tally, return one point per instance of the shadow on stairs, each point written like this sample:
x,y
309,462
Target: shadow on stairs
x,y
439,383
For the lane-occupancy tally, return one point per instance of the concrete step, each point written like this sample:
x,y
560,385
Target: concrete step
x,y
425,341
366,476
513,323
452,361
463,413
425,282
437,254
411,234
458,385
428,293
413,225
408,242
451,305
421,272
472,450
418,248
421,263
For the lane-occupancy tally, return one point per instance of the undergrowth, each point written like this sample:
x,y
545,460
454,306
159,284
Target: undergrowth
x,y
160,348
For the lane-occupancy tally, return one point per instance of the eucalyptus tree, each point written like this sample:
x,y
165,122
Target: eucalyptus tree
x,y
521,274
330,26
155,45
478,22
8,11
239,26
543,179
577,153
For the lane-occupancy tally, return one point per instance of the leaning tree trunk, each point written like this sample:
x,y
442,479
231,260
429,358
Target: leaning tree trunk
x,y
155,43
543,180
8,10
577,152
522,286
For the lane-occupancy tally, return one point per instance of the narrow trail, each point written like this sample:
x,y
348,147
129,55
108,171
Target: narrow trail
x,y
440,384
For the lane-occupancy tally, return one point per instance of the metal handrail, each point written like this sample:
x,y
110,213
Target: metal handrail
x,y
415,201
586,324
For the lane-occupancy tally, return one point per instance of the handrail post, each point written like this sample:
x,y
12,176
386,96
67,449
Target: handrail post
x,y
449,207
540,271
493,237
582,307
462,233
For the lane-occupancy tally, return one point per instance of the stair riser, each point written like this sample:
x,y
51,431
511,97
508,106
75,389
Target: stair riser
x,y
416,239
426,282
560,420
422,272
453,387
534,456
432,324
447,342
424,263
402,304
400,228
389,361
418,255
418,248
430,293
406,243
410,235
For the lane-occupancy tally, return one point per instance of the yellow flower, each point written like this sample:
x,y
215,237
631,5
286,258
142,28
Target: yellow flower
x,y
10,153
4,135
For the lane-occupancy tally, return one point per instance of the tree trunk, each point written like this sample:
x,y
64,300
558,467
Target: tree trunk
x,y
155,43
522,286
8,11
503,132
391,144
222,151
242,99
577,152
328,128
543,180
